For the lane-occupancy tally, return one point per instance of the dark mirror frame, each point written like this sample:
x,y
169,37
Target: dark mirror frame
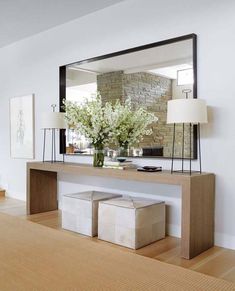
x,y
62,81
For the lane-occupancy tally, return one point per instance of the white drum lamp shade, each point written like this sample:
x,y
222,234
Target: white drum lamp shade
x,y
53,120
187,111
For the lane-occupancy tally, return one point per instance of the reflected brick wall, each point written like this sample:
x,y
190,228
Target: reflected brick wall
x,y
148,90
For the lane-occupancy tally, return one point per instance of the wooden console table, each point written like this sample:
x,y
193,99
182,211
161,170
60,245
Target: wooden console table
x,y
198,196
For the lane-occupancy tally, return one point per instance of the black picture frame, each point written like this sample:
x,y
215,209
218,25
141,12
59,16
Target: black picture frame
x,y
62,82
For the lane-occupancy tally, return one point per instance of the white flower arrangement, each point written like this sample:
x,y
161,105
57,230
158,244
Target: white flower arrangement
x,y
93,119
105,123
131,125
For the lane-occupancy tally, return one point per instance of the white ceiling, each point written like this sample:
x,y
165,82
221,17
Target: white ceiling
x,y
23,18
171,71
173,56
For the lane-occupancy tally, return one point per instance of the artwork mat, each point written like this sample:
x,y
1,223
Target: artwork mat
x,y
23,153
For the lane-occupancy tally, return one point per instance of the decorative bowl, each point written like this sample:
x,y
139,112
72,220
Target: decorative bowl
x,y
121,159
149,168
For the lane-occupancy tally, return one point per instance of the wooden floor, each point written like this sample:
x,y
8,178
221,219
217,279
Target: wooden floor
x,y
217,262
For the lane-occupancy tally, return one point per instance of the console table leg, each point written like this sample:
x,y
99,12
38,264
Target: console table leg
x,y
41,191
198,201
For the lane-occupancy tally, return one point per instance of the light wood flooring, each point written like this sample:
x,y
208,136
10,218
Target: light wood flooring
x,y
217,262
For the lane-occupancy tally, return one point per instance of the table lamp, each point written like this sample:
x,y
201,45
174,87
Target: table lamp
x,y
52,121
186,111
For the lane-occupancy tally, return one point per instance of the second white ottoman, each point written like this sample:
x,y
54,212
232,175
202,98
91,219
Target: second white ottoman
x,y
131,221
80,211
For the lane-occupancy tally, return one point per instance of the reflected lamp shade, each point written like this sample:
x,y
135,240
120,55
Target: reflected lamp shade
x,y
53,120
186,111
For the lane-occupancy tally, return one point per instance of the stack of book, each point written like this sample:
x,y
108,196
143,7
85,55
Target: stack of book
x,y
119,165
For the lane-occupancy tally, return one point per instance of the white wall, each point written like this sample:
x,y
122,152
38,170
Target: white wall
x,y
32,65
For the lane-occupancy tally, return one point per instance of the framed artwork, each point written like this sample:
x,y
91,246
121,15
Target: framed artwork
x,y
22,127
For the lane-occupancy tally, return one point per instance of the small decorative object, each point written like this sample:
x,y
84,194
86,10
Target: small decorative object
x,y
95,121
80,152
124,165
150,169
187,111
130,125
52,121
121,159
22,127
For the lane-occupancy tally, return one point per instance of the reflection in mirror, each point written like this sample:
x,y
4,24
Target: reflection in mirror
x,y
149,77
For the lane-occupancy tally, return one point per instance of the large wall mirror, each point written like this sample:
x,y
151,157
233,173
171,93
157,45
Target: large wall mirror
x,y
149,75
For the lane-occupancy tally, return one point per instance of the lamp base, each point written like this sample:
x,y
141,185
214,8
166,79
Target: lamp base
x,y
52,162
53,147
190,171
186,172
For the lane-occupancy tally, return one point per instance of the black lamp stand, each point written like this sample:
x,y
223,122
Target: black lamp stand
x,y
53,146
190,150
53,142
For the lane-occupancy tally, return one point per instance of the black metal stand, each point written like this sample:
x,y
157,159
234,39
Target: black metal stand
x,y
53,146
173,151
183,150
190,149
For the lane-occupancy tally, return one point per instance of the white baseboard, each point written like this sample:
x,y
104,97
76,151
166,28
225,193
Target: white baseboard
x,y
221,239
225,240
173,230
16,195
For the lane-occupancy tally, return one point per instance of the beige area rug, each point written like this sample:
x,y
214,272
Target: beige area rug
x,y
34,257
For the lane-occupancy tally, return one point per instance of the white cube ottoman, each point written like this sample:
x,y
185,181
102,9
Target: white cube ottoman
x,y
80,211
131,221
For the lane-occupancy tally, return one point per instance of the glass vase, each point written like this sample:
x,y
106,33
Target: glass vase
x,y
98,158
